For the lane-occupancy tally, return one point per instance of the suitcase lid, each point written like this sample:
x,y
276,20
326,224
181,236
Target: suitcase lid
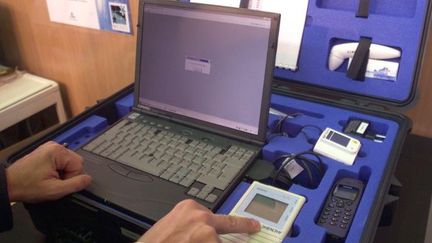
x,y
401,25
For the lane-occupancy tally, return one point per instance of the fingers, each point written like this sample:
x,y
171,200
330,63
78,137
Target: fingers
x,y
61,188
231,224
73,164
222,224
190,204
206,234
64,159
195,223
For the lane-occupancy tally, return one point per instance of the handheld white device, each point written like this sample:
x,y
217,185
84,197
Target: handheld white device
x,y
337,146
274,208
340,52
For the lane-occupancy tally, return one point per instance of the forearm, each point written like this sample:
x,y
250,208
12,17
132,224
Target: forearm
x,y
6,222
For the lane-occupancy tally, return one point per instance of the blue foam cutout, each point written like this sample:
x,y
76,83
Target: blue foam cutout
x,y
369,167
124,105
83,132
400,8
397,24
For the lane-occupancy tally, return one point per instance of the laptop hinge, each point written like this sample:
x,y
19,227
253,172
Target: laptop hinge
x,y
140,108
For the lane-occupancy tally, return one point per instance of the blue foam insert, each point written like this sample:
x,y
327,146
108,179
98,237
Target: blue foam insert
x,y
124,105
394,23
370,165
400,8
83,132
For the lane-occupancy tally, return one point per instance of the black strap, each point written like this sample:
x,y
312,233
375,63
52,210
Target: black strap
x,y
357,68
363,9
244,3
6,222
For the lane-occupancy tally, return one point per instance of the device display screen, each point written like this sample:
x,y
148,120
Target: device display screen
x,y
186,65
346,192
339,139
266,208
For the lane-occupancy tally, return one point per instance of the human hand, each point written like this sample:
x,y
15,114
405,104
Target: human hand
x,y
191,222
48,173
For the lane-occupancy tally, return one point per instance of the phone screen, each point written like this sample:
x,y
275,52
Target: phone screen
x,y
346,192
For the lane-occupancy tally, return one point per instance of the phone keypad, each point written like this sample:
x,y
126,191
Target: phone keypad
x,y
337,213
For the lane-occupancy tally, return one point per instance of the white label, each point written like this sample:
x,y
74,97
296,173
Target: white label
x,y
379,69
197,65
75,12
362,128
293,168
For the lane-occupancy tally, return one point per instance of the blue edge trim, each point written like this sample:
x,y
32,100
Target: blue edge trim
x,y
369,166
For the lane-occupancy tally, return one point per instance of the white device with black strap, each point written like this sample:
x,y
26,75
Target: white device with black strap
x,y
340,52
274,208
337,146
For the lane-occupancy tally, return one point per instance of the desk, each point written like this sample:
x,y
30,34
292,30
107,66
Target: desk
x,y
26,96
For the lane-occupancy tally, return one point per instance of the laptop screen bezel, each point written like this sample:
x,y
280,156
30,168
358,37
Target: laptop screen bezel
x,y
270,63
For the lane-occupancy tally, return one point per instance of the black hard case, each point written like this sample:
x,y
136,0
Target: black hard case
x,y
83,219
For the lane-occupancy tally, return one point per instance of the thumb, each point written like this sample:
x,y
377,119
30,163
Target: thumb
x,y
70,185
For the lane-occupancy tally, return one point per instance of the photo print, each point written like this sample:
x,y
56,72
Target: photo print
x,y
119,16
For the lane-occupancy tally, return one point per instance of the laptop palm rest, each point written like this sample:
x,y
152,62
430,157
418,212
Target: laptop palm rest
x,y
131,189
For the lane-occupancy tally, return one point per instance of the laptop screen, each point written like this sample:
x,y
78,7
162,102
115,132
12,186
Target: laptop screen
x,y
203,64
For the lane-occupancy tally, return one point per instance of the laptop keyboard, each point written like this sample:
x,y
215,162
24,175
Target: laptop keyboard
x,y
156,149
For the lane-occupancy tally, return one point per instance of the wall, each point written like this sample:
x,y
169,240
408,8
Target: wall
x,y
90,64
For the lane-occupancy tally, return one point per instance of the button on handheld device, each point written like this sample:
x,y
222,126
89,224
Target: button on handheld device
x,y
340,207
274,208
337,146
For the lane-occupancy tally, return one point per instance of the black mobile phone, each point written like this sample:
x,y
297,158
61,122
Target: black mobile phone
x,y
340,207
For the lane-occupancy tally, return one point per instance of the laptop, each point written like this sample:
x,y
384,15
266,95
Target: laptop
x,y
201,104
